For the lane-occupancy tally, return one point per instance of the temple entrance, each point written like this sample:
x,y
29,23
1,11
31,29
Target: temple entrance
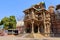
x,y
29,28
35,29
41,28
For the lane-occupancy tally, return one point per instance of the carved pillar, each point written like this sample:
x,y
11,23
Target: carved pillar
x,y
38,29
45,30
48,29
25,26
33,17
46,25
33,27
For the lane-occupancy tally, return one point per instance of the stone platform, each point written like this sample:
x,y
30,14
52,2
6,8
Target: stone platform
x,y
34,36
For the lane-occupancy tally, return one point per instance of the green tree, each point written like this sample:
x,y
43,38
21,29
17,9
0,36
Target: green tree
x,y
5,22
9,23
13,21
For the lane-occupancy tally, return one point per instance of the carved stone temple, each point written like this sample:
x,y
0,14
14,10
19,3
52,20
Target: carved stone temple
x,y
39,20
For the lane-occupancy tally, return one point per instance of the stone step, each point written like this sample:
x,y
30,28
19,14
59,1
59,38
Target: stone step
x,y
37,35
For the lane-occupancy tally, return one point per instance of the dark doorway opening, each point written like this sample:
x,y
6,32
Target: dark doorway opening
x,y
35,29
28,28
41,28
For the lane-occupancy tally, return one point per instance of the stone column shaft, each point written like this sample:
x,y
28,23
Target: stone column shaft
x,y
32,27
38,29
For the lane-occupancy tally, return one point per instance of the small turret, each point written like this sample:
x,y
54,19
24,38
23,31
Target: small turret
x,y
57,7
42,5
51,9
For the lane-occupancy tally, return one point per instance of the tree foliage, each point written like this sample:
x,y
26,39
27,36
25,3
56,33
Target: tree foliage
x,y
9,23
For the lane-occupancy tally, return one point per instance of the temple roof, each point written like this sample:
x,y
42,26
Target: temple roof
x,y
35,7
51,6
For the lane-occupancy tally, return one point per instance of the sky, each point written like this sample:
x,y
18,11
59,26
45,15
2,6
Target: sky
x,y
16,7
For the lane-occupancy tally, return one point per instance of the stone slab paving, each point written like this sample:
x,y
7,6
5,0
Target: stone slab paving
x,y
28,37
19,38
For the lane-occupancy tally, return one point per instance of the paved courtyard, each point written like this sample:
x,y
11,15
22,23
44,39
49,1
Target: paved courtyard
x,y
19,38
28,37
